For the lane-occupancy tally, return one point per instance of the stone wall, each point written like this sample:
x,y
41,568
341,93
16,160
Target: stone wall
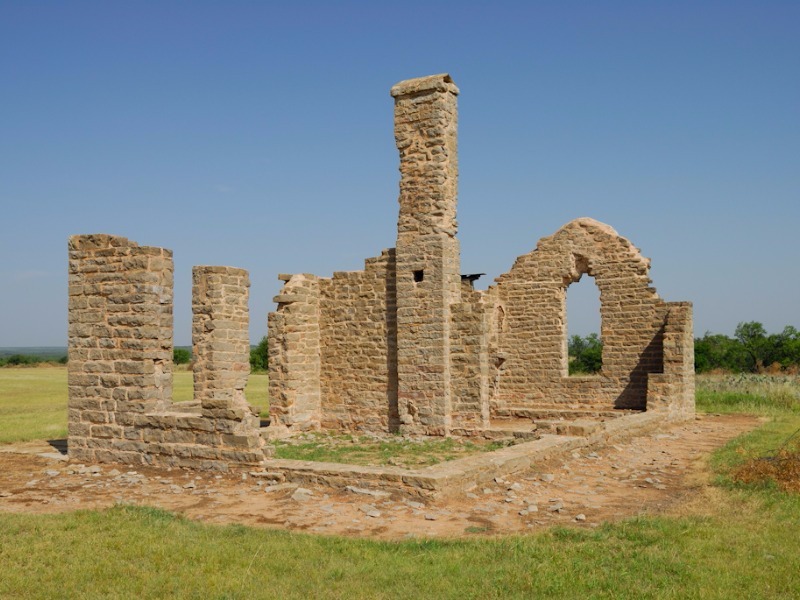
x,y
333,351
403,345
358,335
469,362
120,360
532,297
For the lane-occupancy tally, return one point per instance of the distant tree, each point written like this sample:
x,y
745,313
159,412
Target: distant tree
x,y
586,354
258,355
717,351
181,356
785,347
753,338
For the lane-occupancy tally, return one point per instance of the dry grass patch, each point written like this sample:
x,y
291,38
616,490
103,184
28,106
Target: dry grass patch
x,y
781,469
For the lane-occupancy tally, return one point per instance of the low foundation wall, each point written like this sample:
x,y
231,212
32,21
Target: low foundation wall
x,y
466,473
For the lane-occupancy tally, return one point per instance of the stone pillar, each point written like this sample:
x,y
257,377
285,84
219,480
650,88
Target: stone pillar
x,y
428,270
220,336
679,359
119,337
294,357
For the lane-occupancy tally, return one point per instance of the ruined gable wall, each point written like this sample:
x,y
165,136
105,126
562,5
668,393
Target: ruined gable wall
x,y
358,333
534,345
120,360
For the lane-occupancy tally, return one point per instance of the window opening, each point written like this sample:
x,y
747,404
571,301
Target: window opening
x,y
584,345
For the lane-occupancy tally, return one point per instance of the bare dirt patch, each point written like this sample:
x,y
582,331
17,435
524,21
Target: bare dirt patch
x,y
645,475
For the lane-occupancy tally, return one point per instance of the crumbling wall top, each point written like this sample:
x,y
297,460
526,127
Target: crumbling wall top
x,y
437,83
96,241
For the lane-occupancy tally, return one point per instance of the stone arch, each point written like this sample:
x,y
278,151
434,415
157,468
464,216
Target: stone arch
x,y
533,293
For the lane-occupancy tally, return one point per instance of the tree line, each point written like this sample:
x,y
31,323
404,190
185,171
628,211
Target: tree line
x,y
750,350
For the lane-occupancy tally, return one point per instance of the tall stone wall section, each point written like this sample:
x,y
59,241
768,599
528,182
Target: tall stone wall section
x,y
120,359
120,341
295,357
220,336
428,269
532,297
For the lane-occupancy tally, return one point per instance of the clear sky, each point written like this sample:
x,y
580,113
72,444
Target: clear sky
x,y
259,135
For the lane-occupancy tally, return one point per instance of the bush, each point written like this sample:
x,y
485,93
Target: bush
x,y
181,356
22,359
258,356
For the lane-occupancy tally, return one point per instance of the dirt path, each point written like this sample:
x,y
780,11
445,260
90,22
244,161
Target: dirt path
x,y
647,474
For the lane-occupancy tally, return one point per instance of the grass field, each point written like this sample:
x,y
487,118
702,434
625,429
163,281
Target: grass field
x,y
33,400
731,541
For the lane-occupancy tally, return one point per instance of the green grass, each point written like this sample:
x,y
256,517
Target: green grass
x,y
128,552
33,401
732,541
362,450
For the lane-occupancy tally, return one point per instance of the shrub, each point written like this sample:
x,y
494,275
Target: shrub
x,y
586,354
22,359
258,356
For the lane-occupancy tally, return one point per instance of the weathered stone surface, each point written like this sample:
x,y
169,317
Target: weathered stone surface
x,y
120,368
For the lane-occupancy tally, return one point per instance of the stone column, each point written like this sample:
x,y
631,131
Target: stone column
x,y
120,339
428,270
679,359
220,336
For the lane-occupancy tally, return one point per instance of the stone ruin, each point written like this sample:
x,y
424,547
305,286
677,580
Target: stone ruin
x,y
120,360
406,345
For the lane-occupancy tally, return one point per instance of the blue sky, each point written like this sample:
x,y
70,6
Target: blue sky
x,y
259,135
